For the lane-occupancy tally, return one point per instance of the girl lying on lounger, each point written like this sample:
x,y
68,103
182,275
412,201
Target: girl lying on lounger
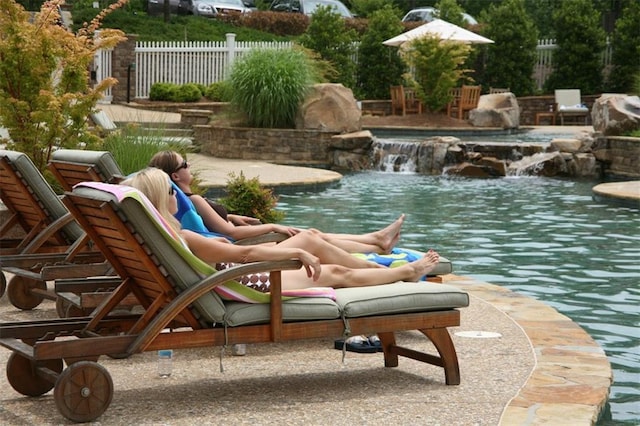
x,y
179,170
325,265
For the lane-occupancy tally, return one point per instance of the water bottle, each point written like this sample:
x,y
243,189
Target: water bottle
x,y
239,349
165,358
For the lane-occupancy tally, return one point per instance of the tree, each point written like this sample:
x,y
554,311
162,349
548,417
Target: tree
x,y
45,96
625,43
510,60
379,66
327,35
450,11
438,68
577,60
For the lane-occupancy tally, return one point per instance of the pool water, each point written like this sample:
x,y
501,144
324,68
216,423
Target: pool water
x,y
542,237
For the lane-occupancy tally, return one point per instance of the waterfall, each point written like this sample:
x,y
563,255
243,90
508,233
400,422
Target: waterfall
x,y
394,156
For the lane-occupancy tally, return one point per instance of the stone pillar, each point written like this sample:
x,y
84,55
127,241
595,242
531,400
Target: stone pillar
x,y
123,62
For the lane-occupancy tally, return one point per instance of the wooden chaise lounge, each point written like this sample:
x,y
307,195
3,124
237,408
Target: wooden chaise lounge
x,y
179,292
53,245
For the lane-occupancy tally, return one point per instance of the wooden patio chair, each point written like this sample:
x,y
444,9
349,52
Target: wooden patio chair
x,y
53,245
72,166
469,97
569,105
182,308
455,100
404,101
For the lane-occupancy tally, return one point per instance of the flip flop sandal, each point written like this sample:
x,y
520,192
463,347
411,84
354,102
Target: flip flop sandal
x,y
357,344
375,342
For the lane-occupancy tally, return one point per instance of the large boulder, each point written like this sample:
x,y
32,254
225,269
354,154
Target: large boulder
x,y
496,110
331,108
615,114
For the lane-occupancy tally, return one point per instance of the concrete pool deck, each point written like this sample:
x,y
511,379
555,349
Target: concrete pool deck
x,y
543,369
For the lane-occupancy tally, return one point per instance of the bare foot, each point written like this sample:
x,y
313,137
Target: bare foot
x,y
390,235
423,266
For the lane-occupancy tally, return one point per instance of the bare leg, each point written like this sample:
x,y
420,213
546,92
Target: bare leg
x,y
381,241
338,276
327,253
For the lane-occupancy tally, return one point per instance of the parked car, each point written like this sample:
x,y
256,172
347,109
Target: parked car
x,y
309,6
428,14
213,8
156,7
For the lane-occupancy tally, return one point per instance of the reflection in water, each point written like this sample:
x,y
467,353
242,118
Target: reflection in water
x,y
542,237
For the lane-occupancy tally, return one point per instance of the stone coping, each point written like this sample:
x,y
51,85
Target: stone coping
x,y
624,193
572,375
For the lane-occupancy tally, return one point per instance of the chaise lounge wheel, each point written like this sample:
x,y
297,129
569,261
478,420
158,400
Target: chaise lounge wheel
x,y
83,391
3,283
23,378
20,294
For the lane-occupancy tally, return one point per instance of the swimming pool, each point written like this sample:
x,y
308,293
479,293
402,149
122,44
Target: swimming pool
x,y
542,237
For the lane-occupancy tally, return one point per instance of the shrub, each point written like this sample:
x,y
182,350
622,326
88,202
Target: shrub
x,y
625,43
132,147
162,91
268,86
171,92
279,23
577,61
189,92
45,96
437,65
510,60
219,91
329,37
248,197
379,66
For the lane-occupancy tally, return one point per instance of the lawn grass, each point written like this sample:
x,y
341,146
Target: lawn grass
x,y
179,28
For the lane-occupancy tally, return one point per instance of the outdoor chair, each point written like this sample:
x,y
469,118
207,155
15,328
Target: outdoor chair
x,y
569,104
185,303
453,104
469,97
404,101
40,241
494,90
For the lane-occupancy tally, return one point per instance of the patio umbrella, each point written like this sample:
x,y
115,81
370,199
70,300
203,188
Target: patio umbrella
x,y
439,28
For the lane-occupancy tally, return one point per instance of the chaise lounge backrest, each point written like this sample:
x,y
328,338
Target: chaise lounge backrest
x,y
34,204
72,166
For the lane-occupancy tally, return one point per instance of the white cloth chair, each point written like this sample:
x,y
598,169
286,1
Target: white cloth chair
x,y
569,104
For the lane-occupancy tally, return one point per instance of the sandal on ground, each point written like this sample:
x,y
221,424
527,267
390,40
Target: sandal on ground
x,y
375,342
359,344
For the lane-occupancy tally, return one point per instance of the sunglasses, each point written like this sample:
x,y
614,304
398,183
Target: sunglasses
x,y
184,165
171,190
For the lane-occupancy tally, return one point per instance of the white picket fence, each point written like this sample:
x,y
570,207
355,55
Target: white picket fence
x,y
209,62
190,62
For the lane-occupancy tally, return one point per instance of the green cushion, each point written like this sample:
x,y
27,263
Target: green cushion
x,y
400,297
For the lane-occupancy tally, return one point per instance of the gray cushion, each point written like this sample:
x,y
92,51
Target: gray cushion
x,y
400,297
298,309
103,161
443,267
43,191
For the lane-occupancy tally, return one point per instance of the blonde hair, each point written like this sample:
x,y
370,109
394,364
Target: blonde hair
x,y
156,185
